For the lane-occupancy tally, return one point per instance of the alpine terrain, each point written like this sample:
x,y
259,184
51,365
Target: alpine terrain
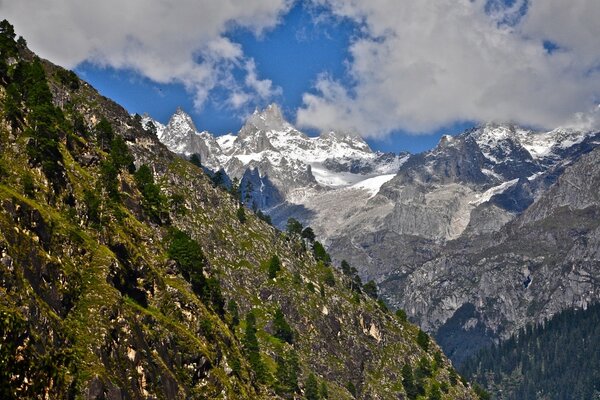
x,y
126,273
494,228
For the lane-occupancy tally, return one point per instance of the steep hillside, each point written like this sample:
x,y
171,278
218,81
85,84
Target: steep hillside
x,y
556,360
492,229
125,274
479,237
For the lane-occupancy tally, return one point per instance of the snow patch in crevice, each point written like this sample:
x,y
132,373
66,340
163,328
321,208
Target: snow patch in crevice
x,y
481,198
372,185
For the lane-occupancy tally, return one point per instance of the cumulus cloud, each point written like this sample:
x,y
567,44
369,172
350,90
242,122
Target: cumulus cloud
x,y
421,65
167,41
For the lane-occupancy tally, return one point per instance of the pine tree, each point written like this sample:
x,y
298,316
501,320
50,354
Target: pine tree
x,y
120,155
241,214
329,278
423,340
370,289
308,234
293,227
282,329
252,348
274,266
323,391
408,382
232,309
104,133
320,253
311,390
153,202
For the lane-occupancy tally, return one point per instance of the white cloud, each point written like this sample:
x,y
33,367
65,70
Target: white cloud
x,y
167,41
421,65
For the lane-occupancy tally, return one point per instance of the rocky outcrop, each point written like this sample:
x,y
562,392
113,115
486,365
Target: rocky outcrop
x,y
122,286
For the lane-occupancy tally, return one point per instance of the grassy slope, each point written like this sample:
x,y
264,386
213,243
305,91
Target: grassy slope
x,y
56,273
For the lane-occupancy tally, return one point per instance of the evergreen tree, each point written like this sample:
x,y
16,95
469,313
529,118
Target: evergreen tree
x,y
308,234
109,180
311,390
320,253
401,315
151,129
232,309
370,288
282,329
286,372
104,133
293,227
235,189
153,201
293,367
323,391
8,48
329,278
351,388
423,340
408,382
188,255
218,178
248,193
434,392
120,155
252,348
274,266
92,203
346,268
195,159
241,214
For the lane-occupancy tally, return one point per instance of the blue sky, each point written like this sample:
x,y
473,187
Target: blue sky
x,y
291,55
400,73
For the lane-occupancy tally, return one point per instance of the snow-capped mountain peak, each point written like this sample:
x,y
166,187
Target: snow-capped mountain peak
x,y
181,124
270,119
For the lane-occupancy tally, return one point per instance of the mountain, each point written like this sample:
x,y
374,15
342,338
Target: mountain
x,y
554,360
483,234
126,274
474,239
277,163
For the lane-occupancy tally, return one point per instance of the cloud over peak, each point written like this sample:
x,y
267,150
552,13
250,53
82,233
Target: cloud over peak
x,y
420,66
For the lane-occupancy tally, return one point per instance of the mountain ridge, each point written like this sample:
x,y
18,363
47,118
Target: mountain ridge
x,y
126,273
424,214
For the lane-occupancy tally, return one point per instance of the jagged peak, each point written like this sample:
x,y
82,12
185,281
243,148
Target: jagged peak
x,y
270,118
182,122
348,137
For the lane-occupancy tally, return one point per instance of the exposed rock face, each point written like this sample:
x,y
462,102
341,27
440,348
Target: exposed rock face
x,y
458,236
474,262
275,156
98,303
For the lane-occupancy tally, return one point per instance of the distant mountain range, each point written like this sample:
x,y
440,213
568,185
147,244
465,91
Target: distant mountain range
x,y
491,229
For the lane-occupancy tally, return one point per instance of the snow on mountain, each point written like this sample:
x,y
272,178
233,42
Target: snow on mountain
x,y
372,185
481,198
494,139
334,159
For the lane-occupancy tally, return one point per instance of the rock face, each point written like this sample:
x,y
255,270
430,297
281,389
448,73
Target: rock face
x,y
276,163
118,285
472,238
489,231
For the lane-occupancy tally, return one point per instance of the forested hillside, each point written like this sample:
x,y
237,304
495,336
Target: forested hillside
x,y
558,360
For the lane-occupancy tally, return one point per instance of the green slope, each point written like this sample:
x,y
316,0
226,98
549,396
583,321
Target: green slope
x,y
122,280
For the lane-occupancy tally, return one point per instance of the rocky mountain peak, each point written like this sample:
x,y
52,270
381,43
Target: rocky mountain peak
x,y
347,137
181,123
269,119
